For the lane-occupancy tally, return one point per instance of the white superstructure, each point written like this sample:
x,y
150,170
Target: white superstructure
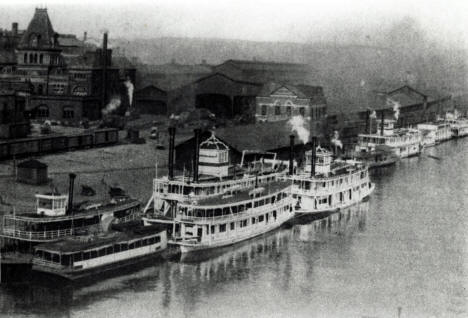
x,y
405,142
333,185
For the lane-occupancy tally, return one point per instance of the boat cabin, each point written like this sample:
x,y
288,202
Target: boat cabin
x,y
51,204
214,158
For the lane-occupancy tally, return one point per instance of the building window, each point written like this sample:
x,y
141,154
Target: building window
x,y
302,111
289,111
40,89
222,228
68,112
59,89
80,91
277,110
41,58
42,111
25,58
264,110
31,58
35,58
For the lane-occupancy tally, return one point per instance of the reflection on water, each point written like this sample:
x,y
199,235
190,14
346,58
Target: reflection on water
x,y
405,247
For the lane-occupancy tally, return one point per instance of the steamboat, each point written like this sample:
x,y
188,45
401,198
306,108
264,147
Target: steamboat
x,y
459,127
83,256
435,133
232,217
56,218
213,175
404,142
326,184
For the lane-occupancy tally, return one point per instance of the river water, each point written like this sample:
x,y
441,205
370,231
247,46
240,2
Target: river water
x,y
402,253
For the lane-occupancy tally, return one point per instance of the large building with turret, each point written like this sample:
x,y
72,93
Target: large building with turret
x,y
60,77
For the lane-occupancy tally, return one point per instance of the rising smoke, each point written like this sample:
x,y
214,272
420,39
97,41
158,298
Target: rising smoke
x,y
298,125
396,107
373,114
113,104
336,140
128,84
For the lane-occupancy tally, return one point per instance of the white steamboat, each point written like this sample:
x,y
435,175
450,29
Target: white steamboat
x,y
326,184
213,175
232,217
405,142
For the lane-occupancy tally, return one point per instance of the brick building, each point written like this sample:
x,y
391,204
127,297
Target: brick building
x,y
63,78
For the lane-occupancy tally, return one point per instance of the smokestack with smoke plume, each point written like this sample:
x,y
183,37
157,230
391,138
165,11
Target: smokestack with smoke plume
x,y
128,84
396,107
373,114
111,106
336,140
298,125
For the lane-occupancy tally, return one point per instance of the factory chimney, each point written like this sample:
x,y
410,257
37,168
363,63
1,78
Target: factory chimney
x,y
170,163
104,71
14,28
72,177
313,156
196,154
291,155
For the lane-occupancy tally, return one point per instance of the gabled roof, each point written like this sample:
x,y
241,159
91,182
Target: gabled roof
x,y
315,93
40,27
32,164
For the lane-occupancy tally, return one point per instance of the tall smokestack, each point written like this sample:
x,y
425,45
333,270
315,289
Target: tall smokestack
x,y
72,177
291,155
14,28
170,164
368,122
313,156
382,116
196,154
104,70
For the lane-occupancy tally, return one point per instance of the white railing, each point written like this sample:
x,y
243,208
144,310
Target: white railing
x,y
251,212
41,236
43,262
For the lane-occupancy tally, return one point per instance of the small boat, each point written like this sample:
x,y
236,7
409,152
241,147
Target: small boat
x,y
435,132
232,217
83,256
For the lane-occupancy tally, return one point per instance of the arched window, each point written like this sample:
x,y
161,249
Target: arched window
x,y
42,111
31,57
41,58
35,58
68,112
25,60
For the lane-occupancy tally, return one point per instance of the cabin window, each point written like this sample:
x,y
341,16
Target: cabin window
x,y
249,205
144,242
260,218
66,260
274,214
226,211
233,226
124,247
277,110
94,254
273,199
209,213
55,258
109,250
267,200
254,220
151,240
77,257
116,248
212,230
157,239
218,212
131,246
244,223
86,255
234,208
222,228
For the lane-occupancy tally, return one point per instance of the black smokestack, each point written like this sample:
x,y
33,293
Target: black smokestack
x,y
170,163
313,156
104,70
291,155
368,122
196,154
70,192
382,116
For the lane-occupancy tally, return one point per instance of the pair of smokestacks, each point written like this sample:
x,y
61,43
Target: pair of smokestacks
x,y
369,122
196,153
312,159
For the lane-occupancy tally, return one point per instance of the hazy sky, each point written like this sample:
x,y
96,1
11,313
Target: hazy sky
x,y
264,20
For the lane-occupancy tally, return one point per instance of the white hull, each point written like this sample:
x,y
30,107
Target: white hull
x,y
260,229
309,203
